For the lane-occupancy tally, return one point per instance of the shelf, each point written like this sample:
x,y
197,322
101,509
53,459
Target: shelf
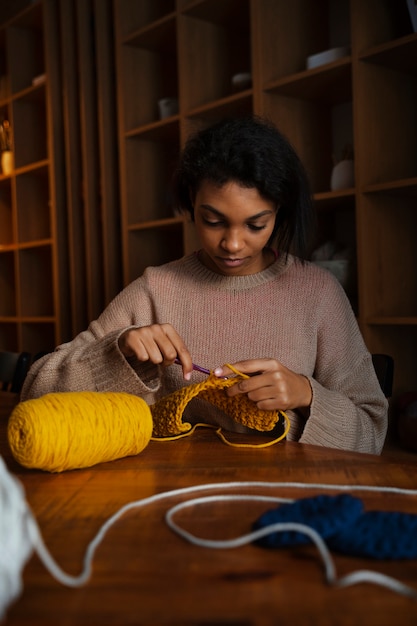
x,y
162,130
32,278
155,224
400,54
403,187
154,246
7,236
234,12
135,16
335,199
7,284
329,84
367,100
35,271
220,47
24,54
240,103
150,163
159,36
392,321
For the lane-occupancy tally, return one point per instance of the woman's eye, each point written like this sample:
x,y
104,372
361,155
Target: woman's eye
x,y
211,223
255,227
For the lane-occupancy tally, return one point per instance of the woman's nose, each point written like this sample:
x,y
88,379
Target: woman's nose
x,y
232,241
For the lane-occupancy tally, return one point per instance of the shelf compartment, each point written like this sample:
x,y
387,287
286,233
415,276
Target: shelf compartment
x,y
35,271
318,133
149,56
30,127
239,104
389,287
6,214
379,22
7,284
9,336
134,15
219,11
212,52
150,163
330,83
159,35
153,246
388,133
38,337
32,197
25,55
336,222
400,54
399,342
310,28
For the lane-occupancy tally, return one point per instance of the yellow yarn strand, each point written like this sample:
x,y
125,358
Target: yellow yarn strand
x,y
221,436
63,431
168,412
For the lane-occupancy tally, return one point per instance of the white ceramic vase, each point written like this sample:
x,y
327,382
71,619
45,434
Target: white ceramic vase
x,y
343,175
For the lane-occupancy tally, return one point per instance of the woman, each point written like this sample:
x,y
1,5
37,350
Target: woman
x,y
274,316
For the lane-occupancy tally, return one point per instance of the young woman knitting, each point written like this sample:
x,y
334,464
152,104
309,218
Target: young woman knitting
x,y
248,297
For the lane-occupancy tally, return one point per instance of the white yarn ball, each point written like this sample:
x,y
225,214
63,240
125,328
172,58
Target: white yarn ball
x,y
16,544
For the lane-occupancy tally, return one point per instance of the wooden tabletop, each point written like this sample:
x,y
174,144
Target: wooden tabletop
x,y
143,573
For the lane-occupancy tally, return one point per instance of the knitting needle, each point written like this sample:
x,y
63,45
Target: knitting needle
x,y
195,367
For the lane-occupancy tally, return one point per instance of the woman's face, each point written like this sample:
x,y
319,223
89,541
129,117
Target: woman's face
x,y
234,225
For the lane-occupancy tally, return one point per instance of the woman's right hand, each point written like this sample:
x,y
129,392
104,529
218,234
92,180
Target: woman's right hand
x,y
158,343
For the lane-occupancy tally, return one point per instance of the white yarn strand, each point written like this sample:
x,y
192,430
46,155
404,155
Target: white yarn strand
x,y
360,576
20,534
15,539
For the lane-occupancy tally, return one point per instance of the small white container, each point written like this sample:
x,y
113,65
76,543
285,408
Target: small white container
x,y
167,107
242,80
343,175
327,56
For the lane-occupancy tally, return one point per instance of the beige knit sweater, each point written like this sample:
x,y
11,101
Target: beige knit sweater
x,y
295,313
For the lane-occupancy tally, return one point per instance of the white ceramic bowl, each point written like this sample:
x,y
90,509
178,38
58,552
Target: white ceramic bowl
x,y
327,56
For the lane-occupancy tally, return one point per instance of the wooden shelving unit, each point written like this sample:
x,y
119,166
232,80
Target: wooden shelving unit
x,y
33,254
190,49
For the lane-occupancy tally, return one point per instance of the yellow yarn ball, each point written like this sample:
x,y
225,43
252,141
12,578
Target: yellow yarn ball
x,y
62,431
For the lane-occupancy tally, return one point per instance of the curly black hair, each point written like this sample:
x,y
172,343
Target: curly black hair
x,y
252,152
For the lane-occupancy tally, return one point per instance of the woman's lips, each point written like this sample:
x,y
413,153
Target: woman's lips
x,y
231,262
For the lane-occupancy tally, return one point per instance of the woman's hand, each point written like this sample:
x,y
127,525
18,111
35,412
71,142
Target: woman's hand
x,y
271,385
159,343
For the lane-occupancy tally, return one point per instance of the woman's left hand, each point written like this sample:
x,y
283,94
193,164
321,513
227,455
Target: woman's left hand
x,y
271,385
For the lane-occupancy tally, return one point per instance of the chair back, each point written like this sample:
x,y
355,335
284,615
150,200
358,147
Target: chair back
x,y
13,369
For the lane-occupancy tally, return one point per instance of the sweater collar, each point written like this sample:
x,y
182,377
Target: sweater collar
x,y
201,272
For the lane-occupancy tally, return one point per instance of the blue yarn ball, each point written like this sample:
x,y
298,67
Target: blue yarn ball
x,y
379,535
326,514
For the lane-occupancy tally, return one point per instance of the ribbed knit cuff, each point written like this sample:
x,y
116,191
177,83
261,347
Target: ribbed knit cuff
x,y
112,371
330,421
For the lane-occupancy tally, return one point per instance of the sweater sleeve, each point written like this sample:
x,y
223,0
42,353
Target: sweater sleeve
x,y
93,361
348,409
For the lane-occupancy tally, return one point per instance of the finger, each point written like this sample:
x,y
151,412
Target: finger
x,y
130,345
181,351
251,367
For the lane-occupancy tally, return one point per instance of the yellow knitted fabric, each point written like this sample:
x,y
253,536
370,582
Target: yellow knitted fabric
x,y
62,431
167,413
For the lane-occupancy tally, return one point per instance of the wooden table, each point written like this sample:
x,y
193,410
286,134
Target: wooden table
x,y
144,574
